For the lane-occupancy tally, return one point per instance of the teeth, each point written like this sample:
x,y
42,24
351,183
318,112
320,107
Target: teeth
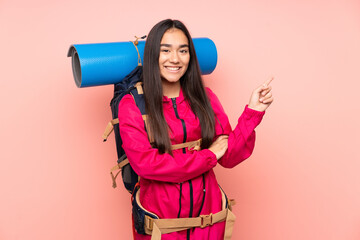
x,y
173,68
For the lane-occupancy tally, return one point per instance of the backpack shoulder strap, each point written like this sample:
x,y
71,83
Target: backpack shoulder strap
x,y
138,94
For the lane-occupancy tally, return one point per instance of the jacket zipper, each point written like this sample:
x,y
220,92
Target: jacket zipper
x,y
191,205
182,121
184,151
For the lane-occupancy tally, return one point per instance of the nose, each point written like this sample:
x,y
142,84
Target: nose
x,y
174,58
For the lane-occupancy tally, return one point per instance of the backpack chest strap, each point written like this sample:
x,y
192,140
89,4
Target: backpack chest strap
x,y
193,145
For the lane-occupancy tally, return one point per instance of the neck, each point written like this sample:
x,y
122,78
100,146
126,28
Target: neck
x,y
171,90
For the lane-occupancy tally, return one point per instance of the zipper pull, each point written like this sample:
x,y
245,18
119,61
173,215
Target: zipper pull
x,y
174,102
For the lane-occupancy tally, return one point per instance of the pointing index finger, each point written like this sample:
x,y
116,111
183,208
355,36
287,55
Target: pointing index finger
x,y
267,82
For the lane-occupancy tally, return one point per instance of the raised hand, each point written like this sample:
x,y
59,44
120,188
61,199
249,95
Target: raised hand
x,y
261,97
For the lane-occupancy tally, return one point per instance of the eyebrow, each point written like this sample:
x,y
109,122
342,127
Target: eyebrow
x,y
169,45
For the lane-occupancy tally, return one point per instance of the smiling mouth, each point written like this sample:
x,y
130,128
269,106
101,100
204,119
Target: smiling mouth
x,y
173,68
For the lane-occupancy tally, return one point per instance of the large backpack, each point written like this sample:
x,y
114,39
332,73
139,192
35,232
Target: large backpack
x,y
131,84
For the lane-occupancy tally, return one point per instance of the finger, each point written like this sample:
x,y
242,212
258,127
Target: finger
x,y
267,82
260,87
222,141
217,139
266,91
223,148
264,86
267,96
223,137
269,100
222,144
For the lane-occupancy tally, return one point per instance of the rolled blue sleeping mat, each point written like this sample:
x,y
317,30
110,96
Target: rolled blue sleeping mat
x,y
108,63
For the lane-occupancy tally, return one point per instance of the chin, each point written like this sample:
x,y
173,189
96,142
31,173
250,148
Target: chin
x,y
171,79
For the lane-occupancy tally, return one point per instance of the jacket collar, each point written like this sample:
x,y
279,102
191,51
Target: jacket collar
x,y
179,99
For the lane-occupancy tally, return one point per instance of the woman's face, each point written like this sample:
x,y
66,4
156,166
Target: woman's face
x,y
174,55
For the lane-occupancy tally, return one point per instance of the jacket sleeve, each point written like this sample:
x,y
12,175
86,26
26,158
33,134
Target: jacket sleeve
x,y
146,161
242,139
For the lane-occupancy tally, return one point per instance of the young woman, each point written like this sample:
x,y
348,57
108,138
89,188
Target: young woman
x,y
181,183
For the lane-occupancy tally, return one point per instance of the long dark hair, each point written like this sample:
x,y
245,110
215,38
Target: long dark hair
x,y
191,84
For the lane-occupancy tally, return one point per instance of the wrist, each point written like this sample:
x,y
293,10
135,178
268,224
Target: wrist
x,y
255,108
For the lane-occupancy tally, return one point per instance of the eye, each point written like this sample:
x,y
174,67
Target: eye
x,y
164,50
184,51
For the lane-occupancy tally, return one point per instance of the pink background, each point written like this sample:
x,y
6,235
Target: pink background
x,y
302,182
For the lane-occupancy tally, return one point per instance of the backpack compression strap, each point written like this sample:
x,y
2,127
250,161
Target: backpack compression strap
x,y
109,128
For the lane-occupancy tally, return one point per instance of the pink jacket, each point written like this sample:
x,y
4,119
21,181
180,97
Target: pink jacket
x,y
174,186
